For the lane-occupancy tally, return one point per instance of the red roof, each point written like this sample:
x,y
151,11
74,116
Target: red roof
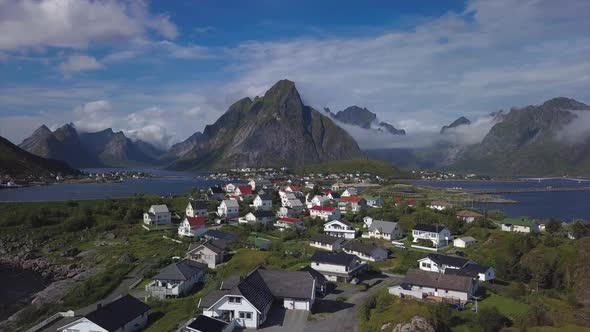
x,y
196,222
411,202
323,208
352,199
468,214
295,188
289,220
245,190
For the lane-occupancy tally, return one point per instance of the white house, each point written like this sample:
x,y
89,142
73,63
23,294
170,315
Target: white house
x,y
456,265
439,287
439,205
196,209
259,184
464,242
520,225
229,208
263,217
176,279
326,242
212,253
374,201
350,191
262,202
287,212
339,228
216,192
468,216
440,235
317,200
289,223
192,227
365,251
244,192
157,215
387,230
249,299
125,314
354,203
337,266
325,213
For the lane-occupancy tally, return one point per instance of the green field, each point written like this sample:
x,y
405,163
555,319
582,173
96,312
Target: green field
x,y
375,167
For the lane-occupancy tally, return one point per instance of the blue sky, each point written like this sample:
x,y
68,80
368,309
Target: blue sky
x,y
161,70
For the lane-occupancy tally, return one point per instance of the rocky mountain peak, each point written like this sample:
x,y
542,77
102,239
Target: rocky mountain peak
x,y
42,130
461,121
564,103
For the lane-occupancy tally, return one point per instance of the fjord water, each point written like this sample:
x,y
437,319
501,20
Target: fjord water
x,y
163,183
16,285
565,206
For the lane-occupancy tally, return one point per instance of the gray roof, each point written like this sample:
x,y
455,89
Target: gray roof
x,y
263,214
265,197
335,258
295,202
437,280
289,284
364,248
198,205
386,227
217,246
182,270
159,208
231,203
327,239
448,260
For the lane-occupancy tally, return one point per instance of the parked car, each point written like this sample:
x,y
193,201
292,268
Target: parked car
x,y
400,247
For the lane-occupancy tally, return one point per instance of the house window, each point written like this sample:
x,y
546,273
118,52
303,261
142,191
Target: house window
x,y
426,265
245,315
236,300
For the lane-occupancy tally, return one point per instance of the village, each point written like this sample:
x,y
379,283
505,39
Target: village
x,y
338,240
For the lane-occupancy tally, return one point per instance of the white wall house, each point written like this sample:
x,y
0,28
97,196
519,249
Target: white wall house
x,y
317,200
520,225
125,314
192,227
439,205
422,285
176,279
261,216
354,203
262,202
339,228
229,208
350,191
380,229
157,215
325,213
196,209
457,266
326,242
288,223
464,242
365,251
211,252
468,216
440,235
374,201
337,266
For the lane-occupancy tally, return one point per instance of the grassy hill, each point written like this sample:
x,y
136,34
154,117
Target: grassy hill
x,y
375,167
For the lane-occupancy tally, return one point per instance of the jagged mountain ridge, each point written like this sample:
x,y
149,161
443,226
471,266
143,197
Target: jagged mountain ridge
x,y
362,117
274,130
461,121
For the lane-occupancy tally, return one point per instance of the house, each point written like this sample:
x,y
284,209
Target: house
x,y
350,191
214,234
333,195
287,212
176,279
440,205
262,202
248,299
337,186
157,215
435,286
229,208
321,283
468,216
366,251
325,213
374,201
196,209
317,200
461,266
367,221
244,192
230,188
294,189
259,184
216,192
125,314
440,235
192,226
288,199
263,217
408,202
520,225
381,229
337,266
339,228
326,242
289,223
464,242
208,324
211,252
354,203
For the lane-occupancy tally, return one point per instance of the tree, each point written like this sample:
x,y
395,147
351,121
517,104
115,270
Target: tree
x,y
490,319
579,230
553,226
440,317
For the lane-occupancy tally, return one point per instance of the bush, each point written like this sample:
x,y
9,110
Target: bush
x,y
425,243
441,317
490,319
78,223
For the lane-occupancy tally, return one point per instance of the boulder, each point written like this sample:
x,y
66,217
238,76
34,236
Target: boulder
x,y
417,324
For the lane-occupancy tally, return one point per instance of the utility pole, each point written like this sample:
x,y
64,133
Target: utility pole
x,y
476,298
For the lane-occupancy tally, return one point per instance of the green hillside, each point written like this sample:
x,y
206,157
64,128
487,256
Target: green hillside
x,y
375,167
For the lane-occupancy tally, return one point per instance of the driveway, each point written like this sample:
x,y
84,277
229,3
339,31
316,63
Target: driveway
x,y
280,319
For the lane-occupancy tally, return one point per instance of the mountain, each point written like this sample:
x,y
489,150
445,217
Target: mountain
x,y
274,130
179,150
17,162
548,139
362,117
462,121
83,150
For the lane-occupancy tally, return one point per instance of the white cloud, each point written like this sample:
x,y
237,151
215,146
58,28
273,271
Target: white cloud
x,y
578,130
77,63
76,24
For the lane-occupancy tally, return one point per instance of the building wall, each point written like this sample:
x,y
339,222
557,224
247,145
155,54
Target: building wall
x,y
244,306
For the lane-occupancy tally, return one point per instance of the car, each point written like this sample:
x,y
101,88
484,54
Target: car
x,y
400,247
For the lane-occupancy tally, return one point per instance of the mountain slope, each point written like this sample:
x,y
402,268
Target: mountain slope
x,y
530,141
275,130
17,162
366,119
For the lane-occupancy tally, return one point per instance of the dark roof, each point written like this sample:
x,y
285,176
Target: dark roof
x,y
470,270
118,313
336,258
198,205
207,324
255,290
220,235
429,228
265,197
323,238
216,190
335,195
437,280
263,214
289,284
448,260
217,246
182,270
231,282
319,278
365,248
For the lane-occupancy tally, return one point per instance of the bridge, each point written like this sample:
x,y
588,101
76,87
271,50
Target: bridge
x,y
579,180
524,190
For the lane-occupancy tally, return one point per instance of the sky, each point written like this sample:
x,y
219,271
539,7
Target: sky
x,y
162,70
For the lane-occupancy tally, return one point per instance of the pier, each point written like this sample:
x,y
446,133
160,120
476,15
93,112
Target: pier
x,y
523,190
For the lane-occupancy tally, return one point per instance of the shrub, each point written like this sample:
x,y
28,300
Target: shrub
x,y
490,319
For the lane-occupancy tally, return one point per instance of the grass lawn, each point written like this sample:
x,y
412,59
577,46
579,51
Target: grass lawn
x,y
507,306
